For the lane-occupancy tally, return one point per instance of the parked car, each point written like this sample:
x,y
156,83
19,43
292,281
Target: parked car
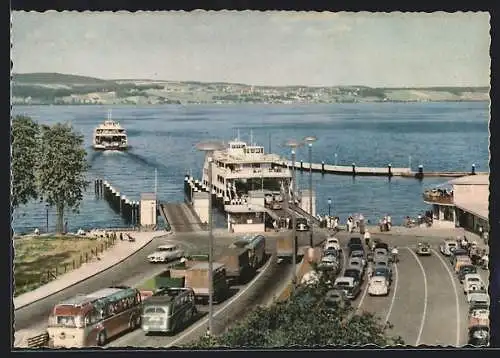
x,y
461,261
380,251
378,286
464,270
357,263
348,285
381,245
480,297
355,247
472,282
423,249
356,241
334,242
166,253
382,272
331,252
302,225
382,262
355,273
329,263
479,335
447,247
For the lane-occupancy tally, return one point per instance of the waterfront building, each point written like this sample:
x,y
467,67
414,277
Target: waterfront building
x,y
461,202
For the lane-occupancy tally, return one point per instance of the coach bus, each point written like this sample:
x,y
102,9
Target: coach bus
x,y
92,319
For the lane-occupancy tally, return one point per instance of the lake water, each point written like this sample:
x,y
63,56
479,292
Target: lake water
x,y
439,136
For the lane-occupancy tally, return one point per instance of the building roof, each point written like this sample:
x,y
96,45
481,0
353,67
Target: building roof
x,y
479,179
148,196
479,209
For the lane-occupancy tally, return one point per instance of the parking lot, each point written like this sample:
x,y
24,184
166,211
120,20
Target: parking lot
x,y
426,304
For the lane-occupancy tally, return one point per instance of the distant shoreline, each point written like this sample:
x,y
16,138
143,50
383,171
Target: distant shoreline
x,y
234,103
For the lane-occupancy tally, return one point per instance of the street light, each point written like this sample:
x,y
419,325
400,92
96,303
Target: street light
x,y
310,140
329,207
293,144
47,206
209,148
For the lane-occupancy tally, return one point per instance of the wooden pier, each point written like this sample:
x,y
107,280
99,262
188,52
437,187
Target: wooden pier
x,y
388,171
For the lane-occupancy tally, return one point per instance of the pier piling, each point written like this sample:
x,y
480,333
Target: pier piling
x,y
353,169
420,173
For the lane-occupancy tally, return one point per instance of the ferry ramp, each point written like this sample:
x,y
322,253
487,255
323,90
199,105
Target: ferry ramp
x,y
179,217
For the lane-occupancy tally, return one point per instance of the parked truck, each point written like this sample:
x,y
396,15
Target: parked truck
x,y
285,248
197,279
236,262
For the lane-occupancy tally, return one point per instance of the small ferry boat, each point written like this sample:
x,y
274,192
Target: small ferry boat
x,y
110,136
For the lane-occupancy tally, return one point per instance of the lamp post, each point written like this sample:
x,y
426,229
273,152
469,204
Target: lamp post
x,y
329,207
47,218
310,140
209,148
293,145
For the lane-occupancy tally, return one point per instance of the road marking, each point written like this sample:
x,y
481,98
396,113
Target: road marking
x,y
363,295
457,300
393,299
425,298
205,320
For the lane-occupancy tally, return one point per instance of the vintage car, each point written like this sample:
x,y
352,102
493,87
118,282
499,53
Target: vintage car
x,y
447,247
383,272
355,247
472,282
333,242
348,285
356,241
464,270
380,252
382,261
423,249
331,252
166,253
357,263
479,335
478,298
479,316
381,245
359,254
355,273
302,225
329,263
378,286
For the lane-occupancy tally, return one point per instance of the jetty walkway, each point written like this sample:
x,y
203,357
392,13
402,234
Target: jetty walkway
x,y
388,171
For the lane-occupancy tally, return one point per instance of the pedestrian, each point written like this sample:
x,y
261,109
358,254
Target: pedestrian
x,y
65,227
389,222
384,223
367,237
287,222
481,232
121,237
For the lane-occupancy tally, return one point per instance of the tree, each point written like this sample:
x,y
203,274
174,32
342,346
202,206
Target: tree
x,y
61,169
25,146
305,319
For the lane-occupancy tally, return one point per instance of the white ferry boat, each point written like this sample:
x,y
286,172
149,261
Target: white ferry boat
x,y
241,168
110,136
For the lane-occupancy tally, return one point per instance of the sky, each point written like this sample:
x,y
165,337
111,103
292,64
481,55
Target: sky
x,y
259,48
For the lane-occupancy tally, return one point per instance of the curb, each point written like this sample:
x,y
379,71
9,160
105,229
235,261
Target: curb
x,y
93,275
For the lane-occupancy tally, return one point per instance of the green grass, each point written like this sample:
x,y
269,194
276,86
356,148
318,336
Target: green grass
x,y
38,259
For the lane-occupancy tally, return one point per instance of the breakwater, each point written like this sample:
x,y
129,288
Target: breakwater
x,y
128,209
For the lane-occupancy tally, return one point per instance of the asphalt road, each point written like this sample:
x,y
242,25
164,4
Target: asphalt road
x,y
130,272
426,304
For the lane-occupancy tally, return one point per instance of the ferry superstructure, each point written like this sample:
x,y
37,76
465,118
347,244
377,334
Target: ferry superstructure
x,y
110,135
242,167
